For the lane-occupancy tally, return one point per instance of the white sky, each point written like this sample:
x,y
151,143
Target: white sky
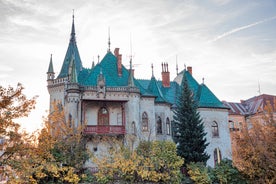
x,y
231,43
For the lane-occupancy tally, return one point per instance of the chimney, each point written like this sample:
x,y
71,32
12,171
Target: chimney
x,y
119,61
165,75
190,70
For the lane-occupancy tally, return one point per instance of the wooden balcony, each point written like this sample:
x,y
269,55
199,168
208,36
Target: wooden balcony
x,y
105,130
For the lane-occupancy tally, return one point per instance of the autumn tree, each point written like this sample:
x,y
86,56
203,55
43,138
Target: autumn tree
x,y
255,151
58,156
188,127
14,144
69,144
154,161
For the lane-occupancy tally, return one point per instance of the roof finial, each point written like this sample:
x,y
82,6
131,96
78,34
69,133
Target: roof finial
x,y
176,65
73,39
130,40
98,58
152,69
108,50
203,80
259,88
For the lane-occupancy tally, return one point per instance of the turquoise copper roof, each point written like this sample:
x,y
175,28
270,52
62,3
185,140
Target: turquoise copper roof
x,y
207,98
72,52
154,88
108,67
203,94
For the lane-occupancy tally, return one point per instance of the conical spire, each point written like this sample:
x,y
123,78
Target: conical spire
x,y
73,34
71,51
51,68
50,73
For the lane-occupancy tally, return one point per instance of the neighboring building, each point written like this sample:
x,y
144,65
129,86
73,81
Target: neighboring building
x,y
247,111
115,105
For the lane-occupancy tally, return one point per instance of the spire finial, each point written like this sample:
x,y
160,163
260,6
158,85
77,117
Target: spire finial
x,y
73,39
176,65
152,69
98,58
203,80
108,50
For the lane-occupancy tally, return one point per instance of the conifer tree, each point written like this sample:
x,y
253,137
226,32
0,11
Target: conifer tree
x,y
188,127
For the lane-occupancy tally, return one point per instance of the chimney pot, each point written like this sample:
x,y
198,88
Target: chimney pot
x,y
165,75
190,70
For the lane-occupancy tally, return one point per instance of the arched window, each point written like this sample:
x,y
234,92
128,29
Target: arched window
x,y
103,116
217,156
70,120
168,126
145,121
159,125
133,128
215,130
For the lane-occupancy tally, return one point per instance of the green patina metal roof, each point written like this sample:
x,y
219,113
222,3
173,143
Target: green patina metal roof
x,y
72,51
154,88
207,98
202,93
108,67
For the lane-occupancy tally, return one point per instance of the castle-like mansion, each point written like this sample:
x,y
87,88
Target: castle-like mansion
x,y
116,105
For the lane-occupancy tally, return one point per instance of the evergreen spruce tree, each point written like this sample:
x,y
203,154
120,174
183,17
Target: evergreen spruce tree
x,y
188,127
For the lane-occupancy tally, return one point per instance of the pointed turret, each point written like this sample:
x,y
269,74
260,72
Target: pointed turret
x,y
50,73
155,89
71,51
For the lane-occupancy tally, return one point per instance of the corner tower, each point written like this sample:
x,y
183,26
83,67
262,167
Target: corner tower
x,y
65,90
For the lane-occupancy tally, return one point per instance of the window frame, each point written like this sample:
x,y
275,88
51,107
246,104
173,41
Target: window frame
x,y
215,129
168,126
103,118
159,125
145,122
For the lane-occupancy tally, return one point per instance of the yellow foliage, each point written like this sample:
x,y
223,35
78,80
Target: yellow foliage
x,y
160,165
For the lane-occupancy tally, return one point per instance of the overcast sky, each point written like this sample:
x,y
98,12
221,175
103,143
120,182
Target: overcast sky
x,y
231,43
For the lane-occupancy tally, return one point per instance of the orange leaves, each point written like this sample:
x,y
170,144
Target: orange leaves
x,y
255,151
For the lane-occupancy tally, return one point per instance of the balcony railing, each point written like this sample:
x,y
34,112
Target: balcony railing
x,y
104,129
